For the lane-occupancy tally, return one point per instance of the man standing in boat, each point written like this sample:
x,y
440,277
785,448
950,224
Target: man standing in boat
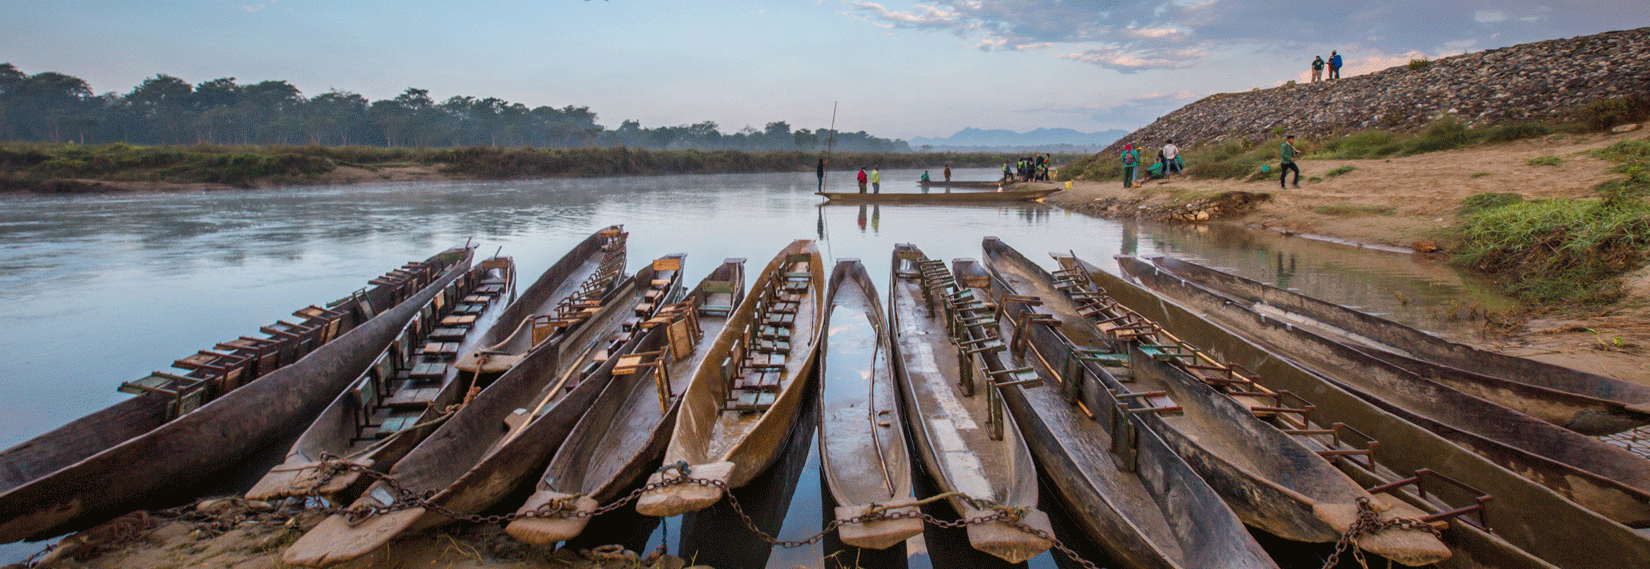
x,y
947,172
862,179
821,174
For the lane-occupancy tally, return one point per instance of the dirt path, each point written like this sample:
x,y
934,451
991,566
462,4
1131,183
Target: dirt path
x,y
1410,201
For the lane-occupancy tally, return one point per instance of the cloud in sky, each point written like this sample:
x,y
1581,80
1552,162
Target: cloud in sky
x,y
1131,36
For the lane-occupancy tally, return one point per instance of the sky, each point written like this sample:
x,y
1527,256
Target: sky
x,y
892,69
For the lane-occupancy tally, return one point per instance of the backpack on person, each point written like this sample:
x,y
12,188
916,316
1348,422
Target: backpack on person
x,y
1128,158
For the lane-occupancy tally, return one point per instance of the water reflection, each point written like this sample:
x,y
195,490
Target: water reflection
x,y
104,288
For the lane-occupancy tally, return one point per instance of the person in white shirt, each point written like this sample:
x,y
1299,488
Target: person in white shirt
x,y
1170,153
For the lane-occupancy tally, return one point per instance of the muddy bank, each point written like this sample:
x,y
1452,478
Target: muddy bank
x,y
231,532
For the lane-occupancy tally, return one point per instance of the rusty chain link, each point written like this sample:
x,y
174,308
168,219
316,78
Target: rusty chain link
x,y
563,508
1369,522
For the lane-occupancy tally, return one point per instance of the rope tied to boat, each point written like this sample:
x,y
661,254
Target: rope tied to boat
x,y
876,509
1369,522
562,504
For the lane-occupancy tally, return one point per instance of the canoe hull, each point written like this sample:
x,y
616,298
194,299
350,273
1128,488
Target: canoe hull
x,y
942,198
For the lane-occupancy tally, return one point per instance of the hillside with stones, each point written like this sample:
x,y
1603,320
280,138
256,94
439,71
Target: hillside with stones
x,y
1528,82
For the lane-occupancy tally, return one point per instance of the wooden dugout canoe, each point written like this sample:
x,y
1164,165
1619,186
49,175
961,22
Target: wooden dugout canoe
x,y
493,443
1603,477
391,407
1432,495
1587,403
142,453
736,414
1271,480
862,448
531,316
1146,507
1535,518
941,198
951,427
971,184
624,433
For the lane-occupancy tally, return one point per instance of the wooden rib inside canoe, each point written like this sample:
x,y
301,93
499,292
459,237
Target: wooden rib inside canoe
x,y
736,413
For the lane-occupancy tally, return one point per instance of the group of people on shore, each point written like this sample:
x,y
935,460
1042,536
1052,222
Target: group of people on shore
x,y
1168,159
1334,64
1027,169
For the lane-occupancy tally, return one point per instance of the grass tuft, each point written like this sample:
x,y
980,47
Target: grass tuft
x,y
1548,160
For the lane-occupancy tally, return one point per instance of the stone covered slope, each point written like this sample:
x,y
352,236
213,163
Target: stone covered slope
x,y
1534,81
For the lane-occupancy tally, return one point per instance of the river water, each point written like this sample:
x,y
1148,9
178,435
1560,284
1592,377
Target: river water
x,y
98,289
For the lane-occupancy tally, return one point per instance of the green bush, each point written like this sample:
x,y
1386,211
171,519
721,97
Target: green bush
x,y
1604,114
1342,171
1511,132
1477,175
1548,160
1481,202
1419,64
1559,250
1443,134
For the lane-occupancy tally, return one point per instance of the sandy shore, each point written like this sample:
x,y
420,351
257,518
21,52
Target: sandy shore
x,y
1407,203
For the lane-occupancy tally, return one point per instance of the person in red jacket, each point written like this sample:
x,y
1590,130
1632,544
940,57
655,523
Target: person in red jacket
x,y
862,179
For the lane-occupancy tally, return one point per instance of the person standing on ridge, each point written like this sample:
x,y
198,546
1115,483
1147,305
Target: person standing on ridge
x,y
1334,65
1130,158
821,174
947,172
862,179
1317,68
876,179
1287,153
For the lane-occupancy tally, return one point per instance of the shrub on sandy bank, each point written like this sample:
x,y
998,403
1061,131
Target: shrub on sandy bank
x,y
1558,250
1604,114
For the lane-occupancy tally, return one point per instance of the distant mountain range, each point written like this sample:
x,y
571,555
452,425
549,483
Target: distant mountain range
x,y
1000,138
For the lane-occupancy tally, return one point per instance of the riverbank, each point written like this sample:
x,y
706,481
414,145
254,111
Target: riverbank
x,y
70,168
1411,204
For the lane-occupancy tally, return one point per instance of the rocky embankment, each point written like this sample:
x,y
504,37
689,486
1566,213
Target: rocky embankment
x,y
1534,82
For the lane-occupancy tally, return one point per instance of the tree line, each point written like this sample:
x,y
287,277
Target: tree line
x,y
166,110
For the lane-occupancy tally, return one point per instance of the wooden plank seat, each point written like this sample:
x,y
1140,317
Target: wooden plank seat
x,y
1150,401
490,289
414,397
659,283
774,333
427,370
749,401
441,350
469,308
458,320
477,298
779,319
449,333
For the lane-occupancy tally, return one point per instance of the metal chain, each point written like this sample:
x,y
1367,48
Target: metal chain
x,y
1369,522
563,508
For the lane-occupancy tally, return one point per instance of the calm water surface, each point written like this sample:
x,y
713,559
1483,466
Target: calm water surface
x,y
101,289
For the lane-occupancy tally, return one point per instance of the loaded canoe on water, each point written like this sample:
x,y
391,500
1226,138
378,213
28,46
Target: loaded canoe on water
x,y
150,450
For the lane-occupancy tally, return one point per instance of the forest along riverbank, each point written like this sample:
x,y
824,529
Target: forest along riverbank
x,y
119,167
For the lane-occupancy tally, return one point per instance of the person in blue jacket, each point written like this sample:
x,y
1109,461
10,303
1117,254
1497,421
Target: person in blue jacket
x,y
1334,65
